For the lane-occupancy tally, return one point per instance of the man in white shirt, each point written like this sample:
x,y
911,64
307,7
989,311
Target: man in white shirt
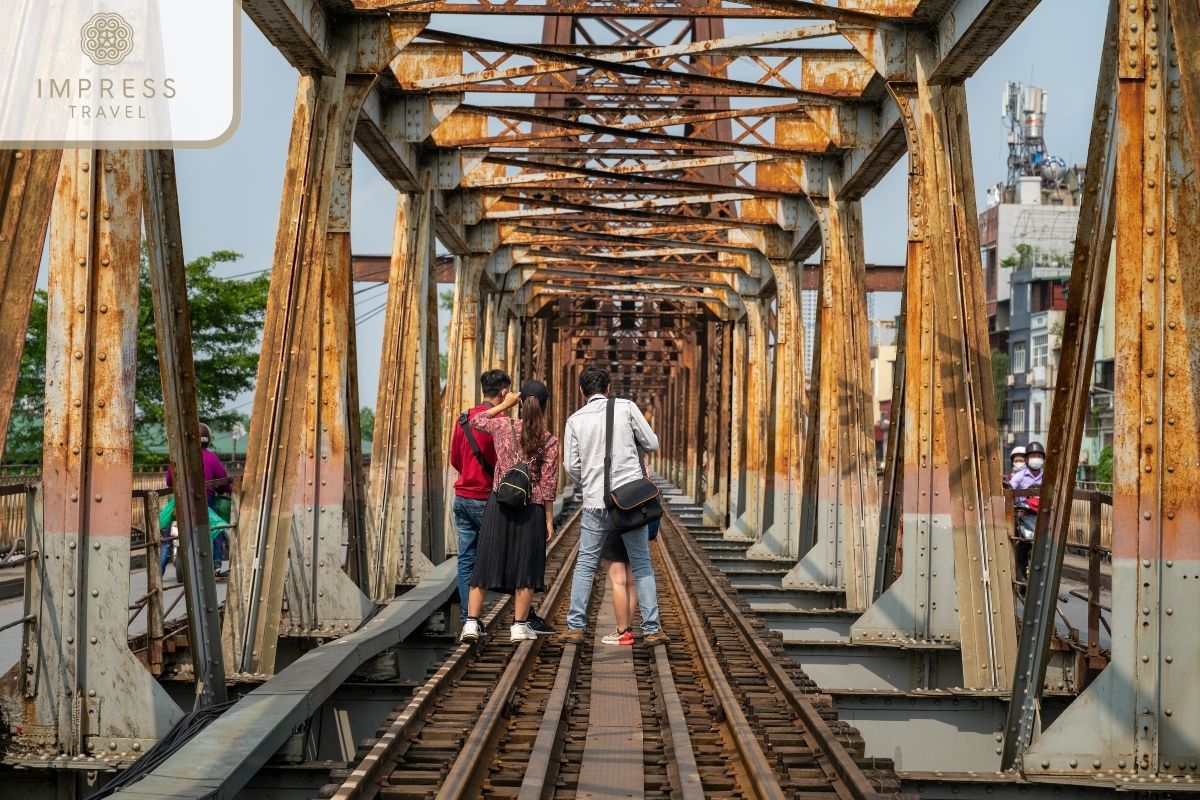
x,y
583,457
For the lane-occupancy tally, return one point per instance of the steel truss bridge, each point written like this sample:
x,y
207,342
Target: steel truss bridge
x,y
634,187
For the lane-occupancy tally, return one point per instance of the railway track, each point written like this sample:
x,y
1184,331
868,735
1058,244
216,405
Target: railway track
x,y
720,712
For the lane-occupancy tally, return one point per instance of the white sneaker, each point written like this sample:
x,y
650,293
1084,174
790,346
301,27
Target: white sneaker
x,y
520,631
471,631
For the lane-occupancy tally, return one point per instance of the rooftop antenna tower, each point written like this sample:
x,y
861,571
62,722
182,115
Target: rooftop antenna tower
x,y
1024,114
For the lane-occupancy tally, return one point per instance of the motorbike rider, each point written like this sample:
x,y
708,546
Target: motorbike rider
x,y
1017,460
1026,508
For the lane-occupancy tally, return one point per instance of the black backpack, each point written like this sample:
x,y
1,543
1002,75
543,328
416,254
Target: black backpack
x,y
516,485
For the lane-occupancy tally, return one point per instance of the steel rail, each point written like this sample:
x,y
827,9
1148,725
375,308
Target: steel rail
x,y
690,784
372,771
462,780
845,775
758,768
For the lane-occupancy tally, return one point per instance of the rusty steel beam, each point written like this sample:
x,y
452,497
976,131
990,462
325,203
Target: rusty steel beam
x,y
26,194
756,9
1137,718
1093,240
597,58
301,369
404,492
75,660
173,332
843,508
956,582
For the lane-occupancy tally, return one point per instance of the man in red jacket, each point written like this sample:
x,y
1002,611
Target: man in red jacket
x,y
474,456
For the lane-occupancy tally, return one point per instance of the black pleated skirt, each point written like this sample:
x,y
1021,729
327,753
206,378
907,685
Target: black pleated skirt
x,y
614,548
511,552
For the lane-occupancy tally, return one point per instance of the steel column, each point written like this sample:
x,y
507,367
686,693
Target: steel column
x,y
26,195
299,392
322,600
463,367
956,585
756,410
1136,723
405,487
846,505
781,540
84,691
173,331
1072,395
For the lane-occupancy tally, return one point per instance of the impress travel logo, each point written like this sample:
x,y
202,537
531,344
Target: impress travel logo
x,y
129,73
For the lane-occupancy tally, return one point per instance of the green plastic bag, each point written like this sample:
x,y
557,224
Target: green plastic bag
x,y
222,504
166,514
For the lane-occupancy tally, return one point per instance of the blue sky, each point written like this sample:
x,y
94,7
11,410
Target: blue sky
x,y
230,195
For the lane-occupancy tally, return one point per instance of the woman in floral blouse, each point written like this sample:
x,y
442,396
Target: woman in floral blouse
x,y
512,541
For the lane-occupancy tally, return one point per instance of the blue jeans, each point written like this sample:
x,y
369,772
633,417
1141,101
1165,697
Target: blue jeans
x,y
468,519
595,526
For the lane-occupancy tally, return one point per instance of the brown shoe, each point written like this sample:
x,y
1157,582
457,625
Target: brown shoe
x,y
655,639
573,635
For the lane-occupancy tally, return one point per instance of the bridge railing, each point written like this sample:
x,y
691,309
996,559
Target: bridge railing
x,y
1089,535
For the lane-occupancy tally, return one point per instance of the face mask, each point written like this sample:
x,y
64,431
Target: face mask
x,y
1018,466
1036,463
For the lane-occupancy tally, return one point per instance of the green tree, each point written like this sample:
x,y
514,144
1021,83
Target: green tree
x,y
366,423
227,318
1104,470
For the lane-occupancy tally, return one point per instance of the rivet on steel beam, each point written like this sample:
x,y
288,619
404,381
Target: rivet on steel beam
x,y
70,640
1145,658
102,357
1096,764
1146,515
1168,712
104,262
82,262
103,309
74,498
77,404
108,215
83,215
80,308
1170,611
70,592
108,167
100,403
1169,659
93,640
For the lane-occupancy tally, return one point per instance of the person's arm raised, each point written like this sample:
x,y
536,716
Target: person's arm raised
x,y
488,421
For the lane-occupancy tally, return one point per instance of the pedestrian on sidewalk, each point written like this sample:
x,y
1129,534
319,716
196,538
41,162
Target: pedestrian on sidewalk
x,y
518,517
584,458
